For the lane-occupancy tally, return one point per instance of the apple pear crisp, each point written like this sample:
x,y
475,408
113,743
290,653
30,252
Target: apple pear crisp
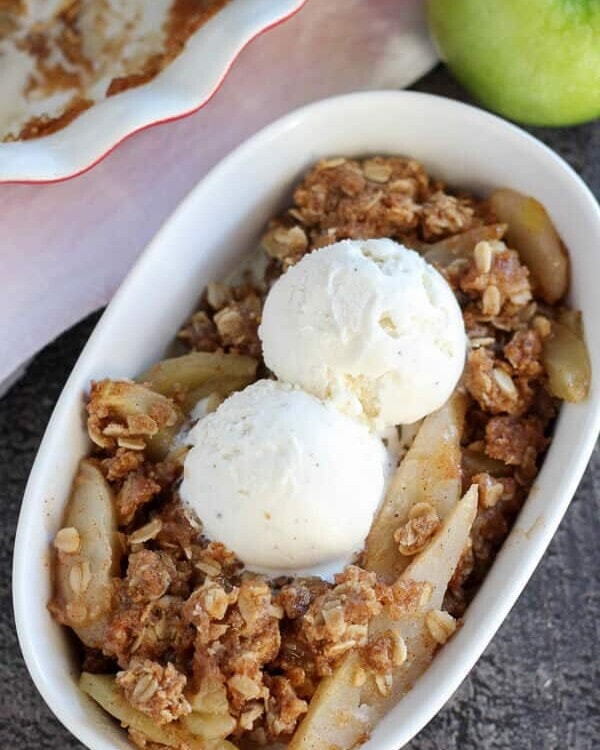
x,y
59,57
186,646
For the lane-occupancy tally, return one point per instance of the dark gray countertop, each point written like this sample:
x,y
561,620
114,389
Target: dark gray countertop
x,y
537,685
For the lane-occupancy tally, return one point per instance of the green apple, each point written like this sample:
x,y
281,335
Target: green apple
x,y
534,61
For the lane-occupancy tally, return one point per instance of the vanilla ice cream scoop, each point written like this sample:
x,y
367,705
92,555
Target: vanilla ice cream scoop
x,y
284,480
369,325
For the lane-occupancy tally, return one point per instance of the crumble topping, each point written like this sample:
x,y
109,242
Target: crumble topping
x,y
416,533
377,197
504,287
126,414
493,384
441,625
384,652
155,690
284,708
337,620
228,321
515,441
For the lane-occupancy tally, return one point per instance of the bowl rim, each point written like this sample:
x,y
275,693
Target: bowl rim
x,y
61,167
447,670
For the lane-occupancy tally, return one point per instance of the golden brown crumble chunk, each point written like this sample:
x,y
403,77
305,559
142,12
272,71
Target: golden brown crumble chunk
x,y
384,652
296,597
149,575
515,441
200,333
524,352
155,690
137,490
121,463
125,414
491,382
444,215
375,197
337,620
284,708
506,283
228,321
237,324
416,533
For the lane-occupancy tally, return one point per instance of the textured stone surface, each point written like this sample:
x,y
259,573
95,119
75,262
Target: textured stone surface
x,y
537,684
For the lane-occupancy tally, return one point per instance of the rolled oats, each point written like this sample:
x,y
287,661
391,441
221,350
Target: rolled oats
x,y
217,295
248,688
155,690
250,716
384,684
417,532
524,351
214,599
376,170
284,707
145,688
483,256
286,244
489,383
507,279
149,575
384,652
476,342
441,625
444,215
146,532
542,326
491,301
505,383
126,414
67,540
491,490
337,620
210,569
80,576
399,652
331,163
359,677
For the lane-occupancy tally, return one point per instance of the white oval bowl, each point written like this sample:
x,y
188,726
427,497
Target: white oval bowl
x,y
181,88
206,237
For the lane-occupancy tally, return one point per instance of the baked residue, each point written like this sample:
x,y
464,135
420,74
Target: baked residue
x,y
58,57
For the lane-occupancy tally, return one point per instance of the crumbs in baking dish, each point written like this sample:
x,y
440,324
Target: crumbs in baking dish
x,y
59,57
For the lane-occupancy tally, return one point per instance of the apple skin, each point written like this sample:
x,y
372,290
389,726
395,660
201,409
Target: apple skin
x,y
533,61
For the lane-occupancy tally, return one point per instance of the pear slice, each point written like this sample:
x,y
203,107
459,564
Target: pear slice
x,y
84,571
430,472
334,719
103,689
567,363
198,374
532,233
435,566
342,712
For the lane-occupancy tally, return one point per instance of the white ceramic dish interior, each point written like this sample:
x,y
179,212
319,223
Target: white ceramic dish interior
x,y
183,87
215,226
